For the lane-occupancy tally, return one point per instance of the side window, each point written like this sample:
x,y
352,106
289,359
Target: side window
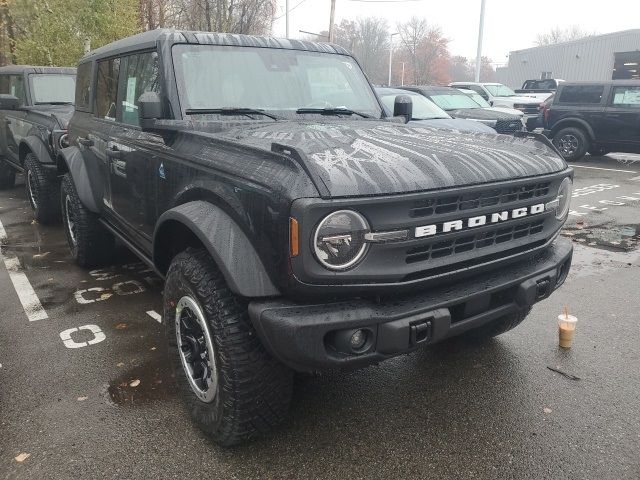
x,y
4,84
626,97
140,75
582,94
478,89
107,88
83,87
16,88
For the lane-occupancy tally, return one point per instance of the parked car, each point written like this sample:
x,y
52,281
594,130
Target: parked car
x,y
541,89
296,225
594,117
428,114
475,96
35,106
499,95
459,105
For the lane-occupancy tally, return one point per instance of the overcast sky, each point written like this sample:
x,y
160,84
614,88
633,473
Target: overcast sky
x,y
509,24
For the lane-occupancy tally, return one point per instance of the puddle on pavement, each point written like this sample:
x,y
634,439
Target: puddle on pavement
x,y
142,384
608,237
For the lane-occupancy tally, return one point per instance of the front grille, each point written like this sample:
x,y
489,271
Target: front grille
x,y
527,109
508,126
479,199
444,248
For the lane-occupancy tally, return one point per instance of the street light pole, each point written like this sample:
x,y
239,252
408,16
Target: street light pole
x,y
390,56
480,31
286,6
402,80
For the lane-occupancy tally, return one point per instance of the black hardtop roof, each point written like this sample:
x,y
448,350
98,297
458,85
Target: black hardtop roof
x,y
20,69
151,38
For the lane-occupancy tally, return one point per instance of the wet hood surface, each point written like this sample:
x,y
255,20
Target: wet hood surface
x,y
61,113
377,158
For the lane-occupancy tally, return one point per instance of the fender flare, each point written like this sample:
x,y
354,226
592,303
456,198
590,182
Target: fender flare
x,y
72,157
562,123
38,148
226,242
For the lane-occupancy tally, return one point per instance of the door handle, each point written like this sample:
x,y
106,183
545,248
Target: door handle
x,y
114,153
85,142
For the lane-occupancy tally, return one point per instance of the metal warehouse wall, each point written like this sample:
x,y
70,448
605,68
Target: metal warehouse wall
x,y
585,59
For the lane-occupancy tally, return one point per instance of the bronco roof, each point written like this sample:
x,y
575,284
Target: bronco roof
x,y
168,37
20,69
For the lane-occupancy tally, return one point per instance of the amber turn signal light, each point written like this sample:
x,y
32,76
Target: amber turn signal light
x,y
294,246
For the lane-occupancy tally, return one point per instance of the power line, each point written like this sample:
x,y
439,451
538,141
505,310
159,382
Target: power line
x,y
290,10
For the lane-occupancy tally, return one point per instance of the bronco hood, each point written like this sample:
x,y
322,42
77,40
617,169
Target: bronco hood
x,y
354,158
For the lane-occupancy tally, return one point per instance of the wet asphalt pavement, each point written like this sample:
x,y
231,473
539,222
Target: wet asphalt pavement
x,y
99,402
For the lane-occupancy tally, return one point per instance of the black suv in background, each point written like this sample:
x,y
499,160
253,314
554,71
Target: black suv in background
x,y
35,105
296,225
594,117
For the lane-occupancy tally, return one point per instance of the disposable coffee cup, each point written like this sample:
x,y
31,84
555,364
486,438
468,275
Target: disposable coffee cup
x,y
566,330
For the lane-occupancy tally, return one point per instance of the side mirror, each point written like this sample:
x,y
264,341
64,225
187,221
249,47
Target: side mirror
x,y
403,107
149,109
8,102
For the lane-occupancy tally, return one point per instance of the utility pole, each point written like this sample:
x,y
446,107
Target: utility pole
x,y
332,21
390,56
480,31
286,6
402,80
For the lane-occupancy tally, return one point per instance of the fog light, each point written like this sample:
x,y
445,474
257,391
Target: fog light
x,y
358,339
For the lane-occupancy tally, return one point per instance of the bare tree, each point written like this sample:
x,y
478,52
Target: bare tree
x,y
427,51
559,35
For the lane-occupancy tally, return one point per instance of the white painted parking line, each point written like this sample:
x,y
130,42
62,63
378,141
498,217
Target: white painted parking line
x,y
607,169
155,315
27,296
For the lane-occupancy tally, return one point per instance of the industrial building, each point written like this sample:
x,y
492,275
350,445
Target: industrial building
x,y
599,57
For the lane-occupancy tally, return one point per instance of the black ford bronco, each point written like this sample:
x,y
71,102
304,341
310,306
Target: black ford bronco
x,y
296,227
35,105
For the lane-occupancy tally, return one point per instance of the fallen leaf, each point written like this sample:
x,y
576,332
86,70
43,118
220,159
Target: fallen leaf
x,y
82,399
547,410
119,364
121,326
22,457
134,383
105,296
153,348
34,222
38,256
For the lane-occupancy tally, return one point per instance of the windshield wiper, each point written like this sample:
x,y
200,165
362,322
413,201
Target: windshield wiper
x,y
53,103
331,111
230,111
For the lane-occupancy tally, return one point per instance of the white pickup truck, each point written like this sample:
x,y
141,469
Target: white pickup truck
x,y
499,95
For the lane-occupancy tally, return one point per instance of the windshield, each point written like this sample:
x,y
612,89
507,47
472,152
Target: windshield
x,y
500,90
278,80
50,88
423,109
475,96
453,101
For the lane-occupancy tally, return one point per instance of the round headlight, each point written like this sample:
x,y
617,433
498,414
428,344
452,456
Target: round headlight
x,y
339,241
564,198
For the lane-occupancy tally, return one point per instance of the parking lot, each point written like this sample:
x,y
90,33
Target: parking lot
x,y
85,389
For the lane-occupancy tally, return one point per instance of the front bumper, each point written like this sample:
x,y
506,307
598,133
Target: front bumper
x,y
312,336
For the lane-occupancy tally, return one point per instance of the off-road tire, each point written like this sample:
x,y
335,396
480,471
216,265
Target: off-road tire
x,y
254,389
567,135
43,191
93,245
7,175
499,325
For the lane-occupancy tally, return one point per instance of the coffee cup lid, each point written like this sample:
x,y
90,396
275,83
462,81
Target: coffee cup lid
x,y
567,318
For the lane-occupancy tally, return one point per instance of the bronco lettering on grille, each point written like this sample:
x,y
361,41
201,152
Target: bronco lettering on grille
x,y
450,226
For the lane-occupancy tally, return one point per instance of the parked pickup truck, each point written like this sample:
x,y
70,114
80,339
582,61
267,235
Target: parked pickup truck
x,y
499,95
35,106
540,89
296,225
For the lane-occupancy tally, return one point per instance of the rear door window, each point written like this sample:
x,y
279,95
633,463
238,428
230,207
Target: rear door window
x,y
107,88
626,97
13,85
582,94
